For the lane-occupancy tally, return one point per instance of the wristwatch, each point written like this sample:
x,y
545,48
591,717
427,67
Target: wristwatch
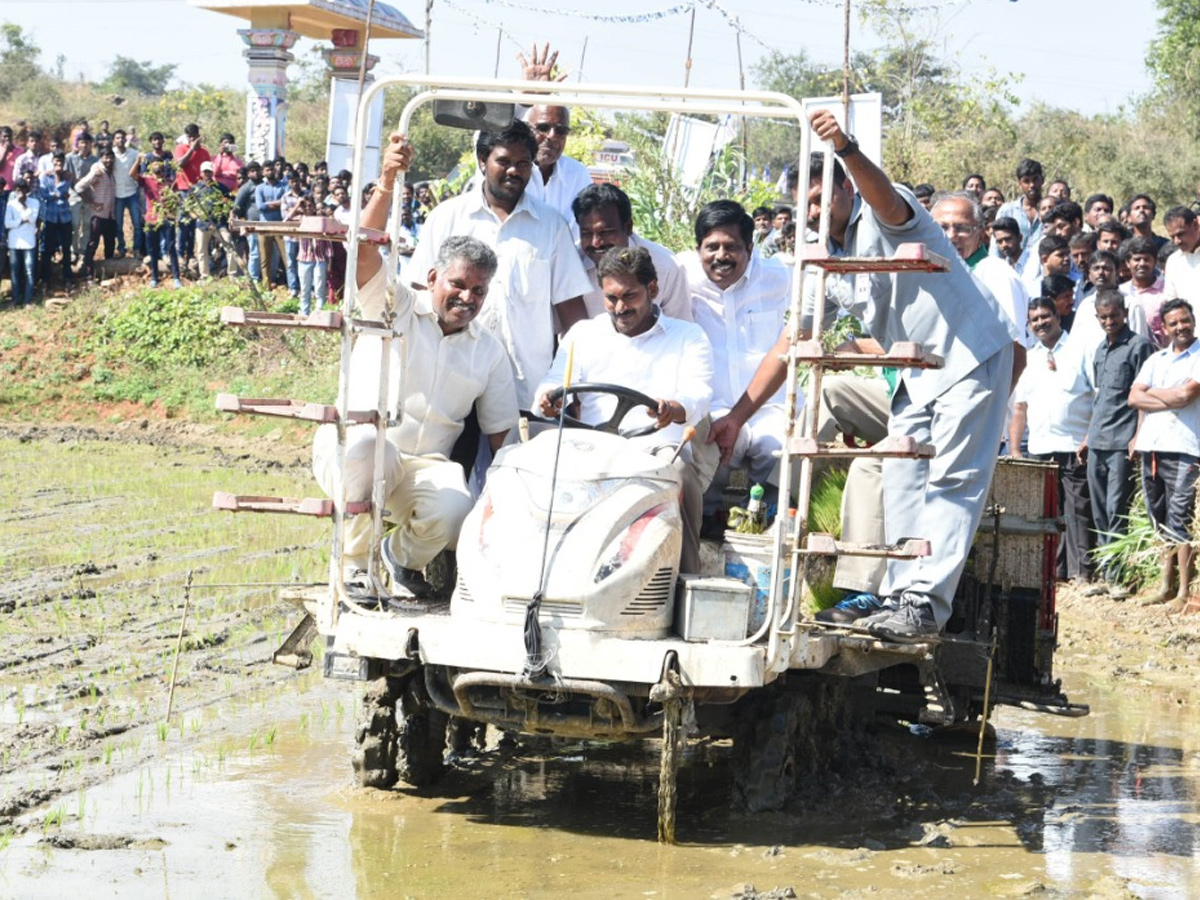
x,y
849,150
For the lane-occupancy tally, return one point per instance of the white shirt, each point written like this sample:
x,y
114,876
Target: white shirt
x,y
569,177
673,296
1171,430
21,222
1181,278
1087,330
671,360
442,375
1000,278
124,184
539,268
1059,400
742,322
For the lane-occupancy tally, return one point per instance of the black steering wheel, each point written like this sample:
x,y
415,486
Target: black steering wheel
x,y
627,399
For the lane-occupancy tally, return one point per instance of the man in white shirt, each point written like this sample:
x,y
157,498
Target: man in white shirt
x,y
1181,278
539,271
740,300
604,219
634,345
450,365
128,195
961,219
557,179
1054,397
1167,392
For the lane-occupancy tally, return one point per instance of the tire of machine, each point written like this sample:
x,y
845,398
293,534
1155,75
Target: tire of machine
x,y
375,735
420,738
764,757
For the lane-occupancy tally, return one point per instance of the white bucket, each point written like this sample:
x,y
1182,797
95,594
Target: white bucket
x,y
749,559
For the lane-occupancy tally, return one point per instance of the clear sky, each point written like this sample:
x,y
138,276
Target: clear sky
x,y
1086,55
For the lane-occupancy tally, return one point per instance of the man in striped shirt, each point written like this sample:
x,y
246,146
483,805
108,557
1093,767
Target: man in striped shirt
x,y
98,190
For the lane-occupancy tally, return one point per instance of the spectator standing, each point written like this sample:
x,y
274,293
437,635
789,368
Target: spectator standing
x,y
1111,432
25,167
245,209
1145,285
190,154
1054,397
80,163
1025,209
129,196
1181,277
210,203
20,221
1167,391
290,207
312,263
8,161
268,197
161,206
56,216
98,191
226,164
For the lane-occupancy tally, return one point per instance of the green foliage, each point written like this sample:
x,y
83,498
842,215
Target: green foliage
x,y
18,58
214,109
1174,58
825,510
1134,555
21,78
170,327
436,149
129,75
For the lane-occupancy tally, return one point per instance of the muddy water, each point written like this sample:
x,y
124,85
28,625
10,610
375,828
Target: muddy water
x,y
1099,807
249,794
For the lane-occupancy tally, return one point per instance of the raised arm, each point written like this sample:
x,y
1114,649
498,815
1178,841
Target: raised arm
x,y
872,182
396,159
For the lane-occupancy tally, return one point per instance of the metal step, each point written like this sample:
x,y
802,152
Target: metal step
x,y
291,409
891,448
320,507
824,545
325,320
908,258
903,355
319,227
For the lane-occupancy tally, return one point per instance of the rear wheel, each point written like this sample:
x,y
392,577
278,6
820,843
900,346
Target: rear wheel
x,y
375,735
420,739
764,757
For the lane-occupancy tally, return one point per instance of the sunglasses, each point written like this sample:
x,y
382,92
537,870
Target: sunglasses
x,y
547,127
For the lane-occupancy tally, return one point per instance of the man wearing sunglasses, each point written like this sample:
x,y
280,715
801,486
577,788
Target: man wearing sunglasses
x,y
557,179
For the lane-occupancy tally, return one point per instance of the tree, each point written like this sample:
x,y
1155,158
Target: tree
x,y
18,59
776,144
1174,58
130,76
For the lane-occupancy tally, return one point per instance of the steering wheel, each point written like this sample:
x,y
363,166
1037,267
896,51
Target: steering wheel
x,y
627,399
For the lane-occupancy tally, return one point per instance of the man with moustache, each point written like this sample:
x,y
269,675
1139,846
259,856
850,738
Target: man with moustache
x,y
539,270
604,219
1167,393
740,300
450,365
634,345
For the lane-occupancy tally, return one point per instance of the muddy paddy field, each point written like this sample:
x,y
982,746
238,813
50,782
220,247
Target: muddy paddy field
x,y
247,790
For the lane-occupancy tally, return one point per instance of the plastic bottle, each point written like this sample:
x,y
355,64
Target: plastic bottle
x,y
758,515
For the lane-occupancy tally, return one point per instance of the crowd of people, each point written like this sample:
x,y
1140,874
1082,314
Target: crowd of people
x,y
69,196
1065,331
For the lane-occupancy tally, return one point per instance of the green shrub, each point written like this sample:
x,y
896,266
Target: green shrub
x,y
170,327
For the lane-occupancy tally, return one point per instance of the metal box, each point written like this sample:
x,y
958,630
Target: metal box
x,y
712,609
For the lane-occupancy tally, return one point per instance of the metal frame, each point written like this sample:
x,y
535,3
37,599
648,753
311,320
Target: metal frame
x,y
779,625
